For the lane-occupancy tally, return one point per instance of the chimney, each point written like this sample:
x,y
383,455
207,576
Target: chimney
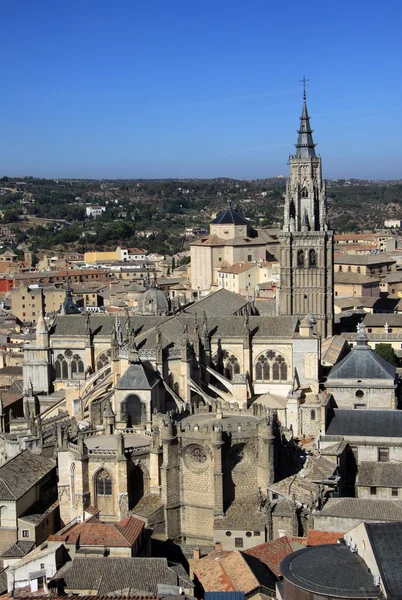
x,y
218,546
196,554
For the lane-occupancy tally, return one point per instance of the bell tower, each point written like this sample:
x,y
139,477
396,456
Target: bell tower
x,y
306,243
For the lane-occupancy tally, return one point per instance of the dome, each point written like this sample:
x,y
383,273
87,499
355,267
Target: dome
x,y
152,302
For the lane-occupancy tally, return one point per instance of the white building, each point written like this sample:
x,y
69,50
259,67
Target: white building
x,y
94,211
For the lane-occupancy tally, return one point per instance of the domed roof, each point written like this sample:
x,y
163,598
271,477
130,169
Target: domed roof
x,y
152,302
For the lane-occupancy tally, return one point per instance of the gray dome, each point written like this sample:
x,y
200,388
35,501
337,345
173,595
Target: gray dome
x,y
152,302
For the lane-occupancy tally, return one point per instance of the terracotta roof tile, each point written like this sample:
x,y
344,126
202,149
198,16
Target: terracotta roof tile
x,y
317,538
272,553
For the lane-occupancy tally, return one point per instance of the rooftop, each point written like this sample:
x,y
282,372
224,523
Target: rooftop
x,y
386,542
20,473
365,423
341,573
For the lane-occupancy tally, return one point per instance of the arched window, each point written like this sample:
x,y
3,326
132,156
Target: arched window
x,y
81,367
258,371
64,369
311,258
300,258
103,483
103,360
74,367
275,371
304,193
57,368
284,371
3,513
72,482
232,367
265,371
131,410
292,210
312,415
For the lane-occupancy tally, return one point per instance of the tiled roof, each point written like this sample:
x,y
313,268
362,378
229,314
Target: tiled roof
x,y
230,217
381,319
364,259
18,550
105,575
219,303
95,533
242,515
379,474
318,538
354,278
367,509
224,572
272,553
21,473
362,363
238,268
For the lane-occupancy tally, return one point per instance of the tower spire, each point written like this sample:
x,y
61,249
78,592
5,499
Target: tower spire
x,y
305,145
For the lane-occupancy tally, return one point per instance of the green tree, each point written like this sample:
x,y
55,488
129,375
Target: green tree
x,y
387,352
173,264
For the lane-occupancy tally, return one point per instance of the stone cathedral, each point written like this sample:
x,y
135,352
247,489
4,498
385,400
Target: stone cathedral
x,y
306,243
177,418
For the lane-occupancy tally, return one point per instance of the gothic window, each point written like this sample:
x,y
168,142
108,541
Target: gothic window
x,y
131,410
64,369
103,483
271,367
73,367
312,415
262,369
103,360
300,258
232,367
311,258
292,210
304,193
57,368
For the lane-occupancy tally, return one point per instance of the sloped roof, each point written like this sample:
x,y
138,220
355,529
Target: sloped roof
x,y
22,472
379,474
219,303
18,550
362,363
138,376
105,575
229,217
316,537
386,542
272,553
365,423
365,509
95,533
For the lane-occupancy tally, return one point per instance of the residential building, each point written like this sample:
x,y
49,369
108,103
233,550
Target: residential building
x,y
94,211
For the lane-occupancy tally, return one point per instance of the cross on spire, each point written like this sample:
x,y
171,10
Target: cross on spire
x,y
304,81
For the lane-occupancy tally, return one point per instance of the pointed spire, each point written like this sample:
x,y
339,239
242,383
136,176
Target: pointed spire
x,y
133,356
305,145
41,327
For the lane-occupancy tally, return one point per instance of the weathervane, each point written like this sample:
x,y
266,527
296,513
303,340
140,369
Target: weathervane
x,y
304,81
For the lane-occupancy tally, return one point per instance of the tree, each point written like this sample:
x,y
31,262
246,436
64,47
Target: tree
x,y
173,264
387,352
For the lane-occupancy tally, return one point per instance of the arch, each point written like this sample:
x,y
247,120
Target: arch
x,y
232,367
300,258
312,415
312,258
3,514
57,368
138,483
74,367
271,366
262,369
258,371
103,483
103,359
275,371
292,210
132,409
283,371
304,193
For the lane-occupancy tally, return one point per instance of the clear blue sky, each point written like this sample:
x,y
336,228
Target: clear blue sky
x,y
159,88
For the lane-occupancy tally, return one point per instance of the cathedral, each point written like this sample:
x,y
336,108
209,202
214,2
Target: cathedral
x,y
177,418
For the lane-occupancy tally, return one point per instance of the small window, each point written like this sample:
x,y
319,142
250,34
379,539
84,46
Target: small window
x,y
257,533
249,258
373,491
360,406
248,534
369,330
312,415
25,533
238,542
359,394
383,454
228,533
395,492
42,565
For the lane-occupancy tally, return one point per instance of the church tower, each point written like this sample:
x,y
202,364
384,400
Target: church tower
x,y
306,243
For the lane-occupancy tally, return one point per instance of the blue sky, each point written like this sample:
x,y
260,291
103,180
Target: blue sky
x,y
157,88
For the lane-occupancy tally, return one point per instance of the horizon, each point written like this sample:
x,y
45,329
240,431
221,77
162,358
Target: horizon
x,y
191,91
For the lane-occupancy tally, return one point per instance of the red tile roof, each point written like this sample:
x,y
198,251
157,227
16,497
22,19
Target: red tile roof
x,y
95,533
272,553
317,538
